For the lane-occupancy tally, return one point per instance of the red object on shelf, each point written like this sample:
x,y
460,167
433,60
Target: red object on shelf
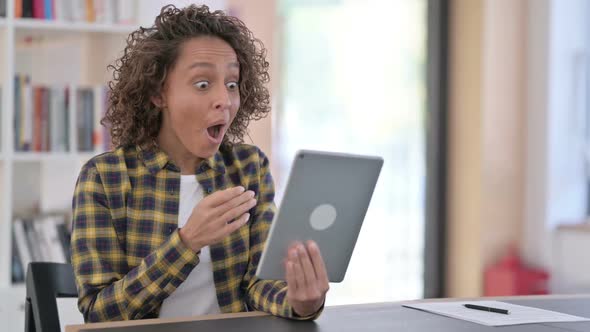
x,y
510,276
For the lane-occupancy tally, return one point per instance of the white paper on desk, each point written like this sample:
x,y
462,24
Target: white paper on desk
x,y
518,314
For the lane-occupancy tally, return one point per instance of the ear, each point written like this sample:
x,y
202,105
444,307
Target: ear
x,y
158,100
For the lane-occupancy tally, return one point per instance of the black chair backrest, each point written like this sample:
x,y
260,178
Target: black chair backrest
x,y
45,283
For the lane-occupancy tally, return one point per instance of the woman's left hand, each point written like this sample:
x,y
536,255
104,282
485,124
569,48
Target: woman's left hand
x,y
307,279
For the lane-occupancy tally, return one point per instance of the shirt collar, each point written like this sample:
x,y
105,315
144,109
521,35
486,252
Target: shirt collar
x,y
215,162
156,159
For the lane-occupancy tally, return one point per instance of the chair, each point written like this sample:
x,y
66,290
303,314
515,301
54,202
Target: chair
x,y
46,282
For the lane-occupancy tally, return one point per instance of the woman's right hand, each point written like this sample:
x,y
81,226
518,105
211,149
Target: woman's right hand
x,y
216,216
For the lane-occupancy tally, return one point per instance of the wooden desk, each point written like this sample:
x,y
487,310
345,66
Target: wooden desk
x,y
364,317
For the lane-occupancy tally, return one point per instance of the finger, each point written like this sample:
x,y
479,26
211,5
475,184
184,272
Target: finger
x,y
222,196
297,270
290,277
237,211
234,226
318,262
307,267
233,203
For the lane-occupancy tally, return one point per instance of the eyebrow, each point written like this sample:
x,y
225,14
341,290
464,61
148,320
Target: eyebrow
x,y
210,65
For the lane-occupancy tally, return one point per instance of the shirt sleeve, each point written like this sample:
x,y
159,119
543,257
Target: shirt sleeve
x,y
266,295
107,289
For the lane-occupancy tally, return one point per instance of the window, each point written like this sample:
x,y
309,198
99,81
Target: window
x,y
353,79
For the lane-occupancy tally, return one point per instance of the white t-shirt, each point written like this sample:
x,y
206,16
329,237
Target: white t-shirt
x,y
196,295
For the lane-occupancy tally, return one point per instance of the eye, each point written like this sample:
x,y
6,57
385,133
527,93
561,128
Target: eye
x,y
232,85
202,85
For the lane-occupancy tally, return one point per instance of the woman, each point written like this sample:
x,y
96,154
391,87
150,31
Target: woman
x,y
173,221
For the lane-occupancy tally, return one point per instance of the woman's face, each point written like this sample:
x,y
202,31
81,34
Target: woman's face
x,y
200,97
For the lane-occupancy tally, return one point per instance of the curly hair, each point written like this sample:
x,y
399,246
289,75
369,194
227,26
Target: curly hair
x,y
149,55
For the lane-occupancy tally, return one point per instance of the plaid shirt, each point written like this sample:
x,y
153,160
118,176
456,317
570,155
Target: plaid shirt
x,y
126,251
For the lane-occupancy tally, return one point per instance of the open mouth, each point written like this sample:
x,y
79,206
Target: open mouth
x,y
215,131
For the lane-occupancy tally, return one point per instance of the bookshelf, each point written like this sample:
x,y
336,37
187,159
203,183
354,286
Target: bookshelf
x,y
39,26
51,156
58,57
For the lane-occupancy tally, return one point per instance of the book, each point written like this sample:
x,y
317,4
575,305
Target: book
x,y
106,134
64,234
125,11
1,112
2,8
41,119
63,10
37,111
27,113
90,14
100,104
32,241
48,9
91,11
42,238
51,238
21,243
85,111
58,120
45,133
27,8
78,10
23,118
18,8
17,268
39,9
17,127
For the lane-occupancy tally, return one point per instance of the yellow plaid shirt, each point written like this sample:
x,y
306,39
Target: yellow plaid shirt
x,y
126,251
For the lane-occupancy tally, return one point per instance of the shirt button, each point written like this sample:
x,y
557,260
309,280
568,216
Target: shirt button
x,y
209,190
170,229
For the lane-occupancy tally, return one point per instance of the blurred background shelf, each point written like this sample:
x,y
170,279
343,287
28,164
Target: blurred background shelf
x,y
50,156
38,26
53,75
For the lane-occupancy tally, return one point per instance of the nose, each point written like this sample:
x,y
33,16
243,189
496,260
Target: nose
x,y
222,99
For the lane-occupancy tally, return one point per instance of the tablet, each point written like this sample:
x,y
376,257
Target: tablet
x,y
326,199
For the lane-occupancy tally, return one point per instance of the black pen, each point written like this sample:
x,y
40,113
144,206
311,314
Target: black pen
x,y
490,309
